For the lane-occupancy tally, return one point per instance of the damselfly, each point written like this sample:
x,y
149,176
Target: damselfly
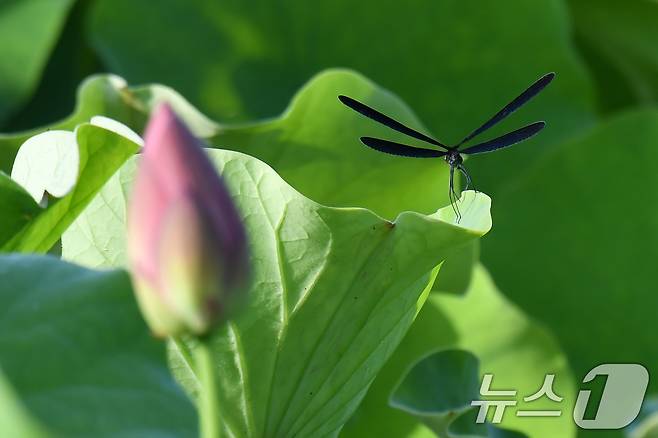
x,y
452,154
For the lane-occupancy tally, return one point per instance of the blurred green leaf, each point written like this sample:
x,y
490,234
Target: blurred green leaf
x,y
619,41
79,356
70,63
17,206
517,351
334,291
454,62
15,421
102,152
577,244
29,30
106,95
439,389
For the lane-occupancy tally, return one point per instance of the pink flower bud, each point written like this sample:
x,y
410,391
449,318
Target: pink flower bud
x,y
186,243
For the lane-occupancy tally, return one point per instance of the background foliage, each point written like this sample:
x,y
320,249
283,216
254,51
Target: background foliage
x,y
573,247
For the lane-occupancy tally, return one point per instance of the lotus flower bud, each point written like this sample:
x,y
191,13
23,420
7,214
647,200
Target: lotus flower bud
x,y
186,243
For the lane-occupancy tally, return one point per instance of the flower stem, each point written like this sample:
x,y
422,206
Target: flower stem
x,y
209,413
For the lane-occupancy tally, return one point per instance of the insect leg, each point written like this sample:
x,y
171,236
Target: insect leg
x,y
453,195
469,181
452,203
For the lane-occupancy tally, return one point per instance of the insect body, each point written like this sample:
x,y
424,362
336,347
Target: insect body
x,y
452,154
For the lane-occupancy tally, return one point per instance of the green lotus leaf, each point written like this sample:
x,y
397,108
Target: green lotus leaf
x,y
334,291
77,358
516,350
439,389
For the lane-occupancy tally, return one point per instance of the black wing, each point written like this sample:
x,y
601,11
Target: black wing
x,y
386,120
393,148
505,140
528,94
